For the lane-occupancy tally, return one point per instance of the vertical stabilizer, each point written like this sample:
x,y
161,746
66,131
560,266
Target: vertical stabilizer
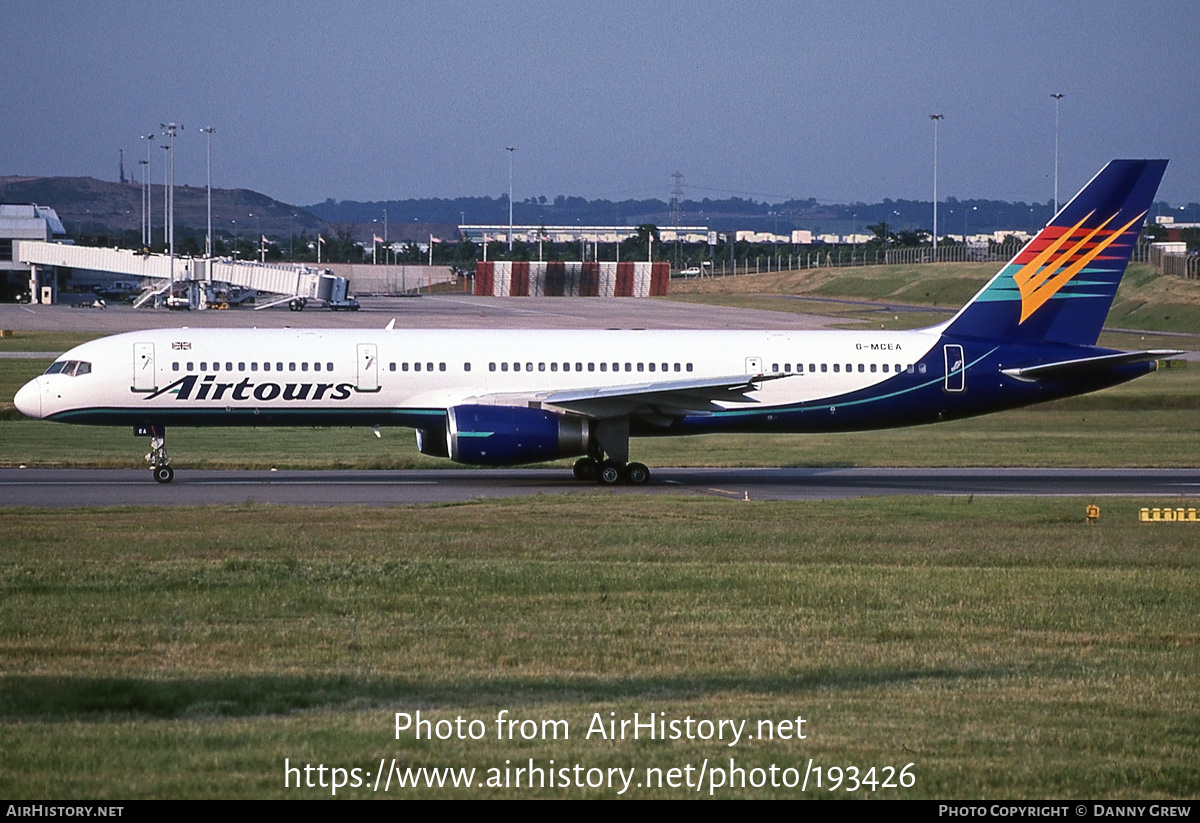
x,y
1060,286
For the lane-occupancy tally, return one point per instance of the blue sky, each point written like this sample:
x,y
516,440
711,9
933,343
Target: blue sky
x,y
767,100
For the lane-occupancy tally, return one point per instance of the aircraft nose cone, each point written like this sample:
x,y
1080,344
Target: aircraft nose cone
x,y
29,398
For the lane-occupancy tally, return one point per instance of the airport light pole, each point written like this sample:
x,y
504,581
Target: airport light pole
x,y
935,118
1057,100
510,150
149,239
145,164
169,132
208,244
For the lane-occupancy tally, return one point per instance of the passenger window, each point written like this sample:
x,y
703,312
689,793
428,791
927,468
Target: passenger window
x,y
921,368
441,366
304,367
603,367
640,366
689,366
278,367
628,367
541,366
328,367
665,366
174,367
837,367
591,366
824,367
862,368
516,366
403,367
491,366
228,367
466,366
553,367
651,367
873,367
317,367
391,366
578,367
528,367
291,366
253,366
503,367
677,367
775,367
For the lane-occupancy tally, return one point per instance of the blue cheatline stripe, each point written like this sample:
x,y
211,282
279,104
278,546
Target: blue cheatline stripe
x,y
889,395
247,414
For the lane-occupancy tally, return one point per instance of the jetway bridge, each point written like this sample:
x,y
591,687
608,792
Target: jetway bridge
x,y
184,280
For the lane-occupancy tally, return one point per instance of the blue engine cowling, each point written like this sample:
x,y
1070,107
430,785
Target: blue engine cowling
x,y
511,435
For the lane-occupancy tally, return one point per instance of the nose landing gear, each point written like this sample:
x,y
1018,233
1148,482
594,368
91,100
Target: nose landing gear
x,y
160,462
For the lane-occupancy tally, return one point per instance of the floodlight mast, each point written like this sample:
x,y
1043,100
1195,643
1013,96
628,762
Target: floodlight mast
x,y
935,118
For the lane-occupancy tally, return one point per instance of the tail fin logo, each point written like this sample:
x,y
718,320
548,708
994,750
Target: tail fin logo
x,y
1041,277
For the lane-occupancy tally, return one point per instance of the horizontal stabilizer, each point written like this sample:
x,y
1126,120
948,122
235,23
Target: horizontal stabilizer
x,y
1065,369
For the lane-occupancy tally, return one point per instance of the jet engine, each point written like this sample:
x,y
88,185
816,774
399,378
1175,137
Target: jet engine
x,y
507,436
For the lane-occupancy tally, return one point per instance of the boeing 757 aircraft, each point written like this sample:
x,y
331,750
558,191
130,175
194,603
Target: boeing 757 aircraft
x,y
503,398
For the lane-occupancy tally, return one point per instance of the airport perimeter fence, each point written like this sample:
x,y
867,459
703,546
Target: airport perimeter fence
x,y
844,257
847,256
1169,258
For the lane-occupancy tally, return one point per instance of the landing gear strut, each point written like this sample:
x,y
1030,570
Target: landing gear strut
x,y
160,463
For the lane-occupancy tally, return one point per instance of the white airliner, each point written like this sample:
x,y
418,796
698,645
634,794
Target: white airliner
x,y
502,398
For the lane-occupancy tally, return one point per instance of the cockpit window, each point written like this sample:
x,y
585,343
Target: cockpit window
x,y
72,368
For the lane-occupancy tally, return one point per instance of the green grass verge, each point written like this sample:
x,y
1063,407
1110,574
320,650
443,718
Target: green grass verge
x,y
1003,647
1145,300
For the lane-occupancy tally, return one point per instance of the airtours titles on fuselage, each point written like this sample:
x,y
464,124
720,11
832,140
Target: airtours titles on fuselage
x,y
193,387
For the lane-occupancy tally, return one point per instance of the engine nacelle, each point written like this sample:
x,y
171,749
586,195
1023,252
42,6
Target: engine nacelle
x,y
511,435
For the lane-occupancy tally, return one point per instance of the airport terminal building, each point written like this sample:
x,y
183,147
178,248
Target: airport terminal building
x,y
23,222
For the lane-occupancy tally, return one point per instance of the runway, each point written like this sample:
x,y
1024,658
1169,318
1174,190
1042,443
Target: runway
x,y
90,488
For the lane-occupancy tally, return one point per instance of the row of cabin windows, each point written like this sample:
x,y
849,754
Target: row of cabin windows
x,y
874,368
424,366
241,366
604,367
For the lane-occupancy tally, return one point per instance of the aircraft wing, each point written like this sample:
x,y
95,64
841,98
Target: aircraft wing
x,y
1085,365
654,401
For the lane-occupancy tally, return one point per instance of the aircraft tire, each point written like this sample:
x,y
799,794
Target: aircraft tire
x,y
163,474
586,468
637,474
610,474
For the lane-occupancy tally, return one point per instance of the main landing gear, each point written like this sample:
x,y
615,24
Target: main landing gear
x,y
609,472
611,437
160,463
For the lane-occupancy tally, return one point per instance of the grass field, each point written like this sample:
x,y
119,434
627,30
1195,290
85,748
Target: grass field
x,y
1145,299
1003,648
